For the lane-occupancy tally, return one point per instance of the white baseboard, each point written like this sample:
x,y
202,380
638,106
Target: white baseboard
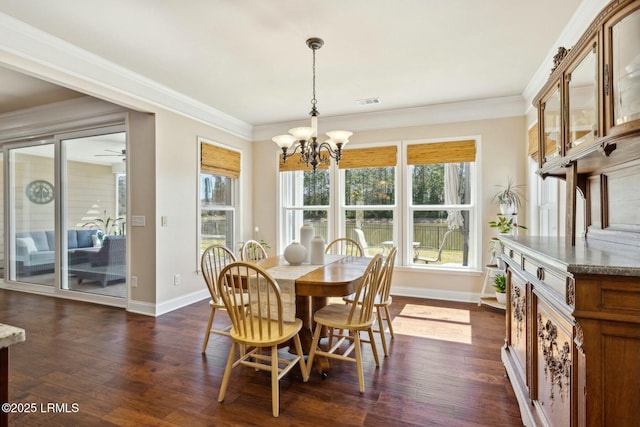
x,y
436,294
150,309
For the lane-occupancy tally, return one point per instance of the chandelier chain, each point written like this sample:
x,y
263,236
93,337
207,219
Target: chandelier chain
x,y
314,101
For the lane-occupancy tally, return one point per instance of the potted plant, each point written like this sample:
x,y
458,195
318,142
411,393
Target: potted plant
x,y
500,285
509,198
505,225
106,226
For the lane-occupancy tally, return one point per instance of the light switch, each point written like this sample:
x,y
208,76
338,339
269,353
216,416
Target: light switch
x,y
137,220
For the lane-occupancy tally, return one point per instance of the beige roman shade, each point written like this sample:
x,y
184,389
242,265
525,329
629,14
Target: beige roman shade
x,y
219,161
376,157
533,142
442,152
293,164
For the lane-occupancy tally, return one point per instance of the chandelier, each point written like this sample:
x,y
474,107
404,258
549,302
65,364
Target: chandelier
x,y
305,139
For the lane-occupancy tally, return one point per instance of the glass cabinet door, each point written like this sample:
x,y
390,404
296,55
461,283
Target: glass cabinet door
x,y
551,124
626,69
582,90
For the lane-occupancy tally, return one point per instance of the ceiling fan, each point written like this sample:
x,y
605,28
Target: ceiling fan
x,y
122,153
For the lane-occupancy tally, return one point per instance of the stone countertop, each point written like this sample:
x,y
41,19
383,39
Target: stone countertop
x,y
586,257
10,335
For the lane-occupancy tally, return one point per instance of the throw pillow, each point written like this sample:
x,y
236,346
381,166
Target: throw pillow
x,y
28,243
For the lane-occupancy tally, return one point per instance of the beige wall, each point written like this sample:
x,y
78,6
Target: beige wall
x,y
176,198
502,155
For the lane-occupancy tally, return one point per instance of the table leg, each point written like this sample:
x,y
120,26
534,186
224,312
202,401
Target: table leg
x,y
305,307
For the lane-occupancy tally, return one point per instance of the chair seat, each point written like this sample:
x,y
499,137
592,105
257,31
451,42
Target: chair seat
x,y
337,316
289,330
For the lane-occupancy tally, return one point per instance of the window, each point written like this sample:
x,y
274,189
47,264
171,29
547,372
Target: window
x,y
305,198
368,209
441,203
434,191
217,186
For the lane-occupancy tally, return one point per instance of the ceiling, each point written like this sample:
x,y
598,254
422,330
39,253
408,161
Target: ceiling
x,y
248,58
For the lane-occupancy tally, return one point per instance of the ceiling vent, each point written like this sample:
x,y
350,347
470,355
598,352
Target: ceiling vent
x,y
368,101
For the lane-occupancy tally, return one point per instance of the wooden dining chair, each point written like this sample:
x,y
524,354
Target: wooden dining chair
x,y
213,260
383,298
350,320
252,250
258,325
344,246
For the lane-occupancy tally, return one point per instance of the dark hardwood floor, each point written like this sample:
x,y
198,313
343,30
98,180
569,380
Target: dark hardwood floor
x,y
125,369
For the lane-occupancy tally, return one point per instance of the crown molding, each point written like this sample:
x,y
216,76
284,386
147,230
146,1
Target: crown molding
x,y
79,69
579,22
482,109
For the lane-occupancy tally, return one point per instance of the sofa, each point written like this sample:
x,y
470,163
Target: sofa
x,y
35,249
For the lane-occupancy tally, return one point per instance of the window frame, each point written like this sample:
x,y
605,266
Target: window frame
x,y
475,229
402,208
234,206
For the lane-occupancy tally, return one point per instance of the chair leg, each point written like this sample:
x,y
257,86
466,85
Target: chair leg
x,y
275,383
208,332
227,372
388,319
373,345
303,366
381,330
356,338
314,347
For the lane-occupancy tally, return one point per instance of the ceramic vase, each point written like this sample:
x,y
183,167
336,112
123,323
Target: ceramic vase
x,y
306,234
295,253
317,251
501,297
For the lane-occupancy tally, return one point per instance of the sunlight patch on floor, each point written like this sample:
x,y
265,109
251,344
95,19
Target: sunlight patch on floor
x,y
424,321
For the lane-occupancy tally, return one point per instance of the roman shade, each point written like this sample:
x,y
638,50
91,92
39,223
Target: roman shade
x,y
442,152
293,163
375,157
216,160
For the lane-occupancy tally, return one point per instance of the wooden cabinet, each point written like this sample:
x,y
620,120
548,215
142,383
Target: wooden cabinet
x,y
589,116
572,347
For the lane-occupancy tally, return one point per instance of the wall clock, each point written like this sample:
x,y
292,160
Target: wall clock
x,y
40,191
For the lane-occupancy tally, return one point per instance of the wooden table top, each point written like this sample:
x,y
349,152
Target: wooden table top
x,y
335,279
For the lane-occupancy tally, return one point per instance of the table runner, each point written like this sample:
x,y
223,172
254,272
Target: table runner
x,y
286,276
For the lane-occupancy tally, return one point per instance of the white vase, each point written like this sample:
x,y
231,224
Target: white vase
x,y
507,208
295,253
317,251
501,297
306,234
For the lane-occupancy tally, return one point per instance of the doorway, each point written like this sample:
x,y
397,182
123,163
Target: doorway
x,y
66,213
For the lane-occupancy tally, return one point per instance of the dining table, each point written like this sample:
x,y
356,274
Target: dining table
x,y
313,285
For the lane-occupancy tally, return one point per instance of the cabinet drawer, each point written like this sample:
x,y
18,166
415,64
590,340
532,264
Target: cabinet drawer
x,y
514,255
553,280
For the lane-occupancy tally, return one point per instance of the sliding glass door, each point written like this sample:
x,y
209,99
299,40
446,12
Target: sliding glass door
x,y
66,208
94,212
32,217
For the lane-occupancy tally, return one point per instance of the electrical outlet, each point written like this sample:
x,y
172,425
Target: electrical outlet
x,y
176,279
134,281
